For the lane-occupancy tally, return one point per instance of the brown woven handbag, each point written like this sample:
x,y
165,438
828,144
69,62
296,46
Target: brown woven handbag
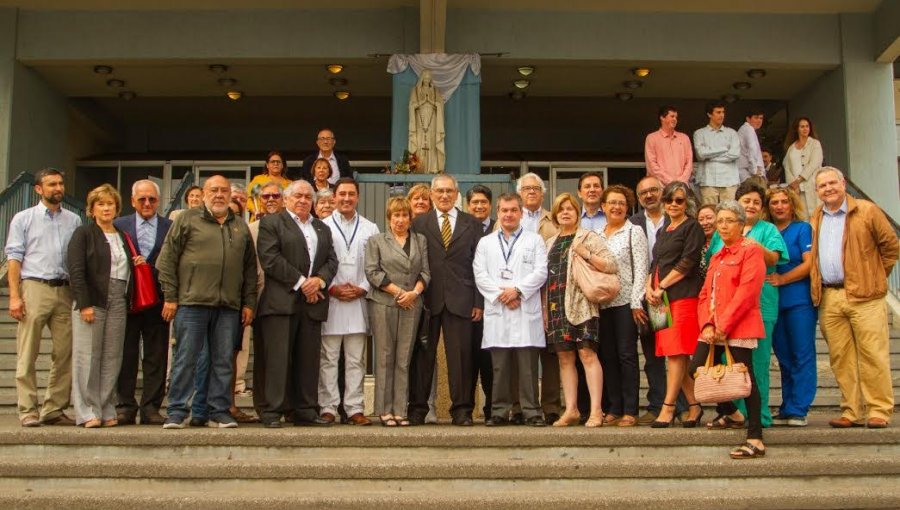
x,y
598,287
721,383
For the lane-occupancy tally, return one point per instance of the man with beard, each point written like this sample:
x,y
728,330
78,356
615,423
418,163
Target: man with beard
x,y
39,296
207,269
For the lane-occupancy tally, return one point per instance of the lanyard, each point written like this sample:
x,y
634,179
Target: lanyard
x,y
352,237
515,236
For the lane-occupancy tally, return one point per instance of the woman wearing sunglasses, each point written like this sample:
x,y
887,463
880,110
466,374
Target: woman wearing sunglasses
x,y
676,271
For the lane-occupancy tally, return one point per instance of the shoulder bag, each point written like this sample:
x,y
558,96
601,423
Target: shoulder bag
x,y
598,287
144,295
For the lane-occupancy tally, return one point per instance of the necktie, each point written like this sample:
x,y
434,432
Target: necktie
x,y
146,238
446,233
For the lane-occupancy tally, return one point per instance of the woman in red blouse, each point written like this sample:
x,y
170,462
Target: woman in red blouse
x,y
729,311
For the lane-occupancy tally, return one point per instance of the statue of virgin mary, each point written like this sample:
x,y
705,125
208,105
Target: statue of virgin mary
x,y
426,125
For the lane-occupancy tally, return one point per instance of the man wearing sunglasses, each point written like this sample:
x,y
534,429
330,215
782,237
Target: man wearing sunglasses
x,y
148,231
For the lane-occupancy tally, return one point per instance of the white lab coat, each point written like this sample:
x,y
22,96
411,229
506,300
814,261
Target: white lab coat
x,y
524,326
347,318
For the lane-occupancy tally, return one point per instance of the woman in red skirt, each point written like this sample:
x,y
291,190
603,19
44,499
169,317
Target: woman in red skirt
x,y
675,270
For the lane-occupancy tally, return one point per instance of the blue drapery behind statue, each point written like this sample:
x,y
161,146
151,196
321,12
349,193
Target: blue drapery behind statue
x,y
462,119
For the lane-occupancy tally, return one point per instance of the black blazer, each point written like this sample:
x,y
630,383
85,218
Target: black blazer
x,y
639,219
305,171
128,225
452,280
88,259
283,256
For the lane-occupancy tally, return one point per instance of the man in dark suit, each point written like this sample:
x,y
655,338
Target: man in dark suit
x,y
340,165
453,300
147,230
298,259
478,202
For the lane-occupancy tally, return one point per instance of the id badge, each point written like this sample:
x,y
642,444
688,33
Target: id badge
x,y
506,274
348,259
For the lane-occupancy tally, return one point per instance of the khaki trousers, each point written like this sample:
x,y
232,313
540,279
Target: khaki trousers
x,y
243,359
51,307
714,194
857,336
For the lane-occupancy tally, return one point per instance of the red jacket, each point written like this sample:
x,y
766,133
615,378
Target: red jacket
x,y
734,282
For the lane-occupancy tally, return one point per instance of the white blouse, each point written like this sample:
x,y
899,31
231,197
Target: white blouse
x,y
118,267
629,244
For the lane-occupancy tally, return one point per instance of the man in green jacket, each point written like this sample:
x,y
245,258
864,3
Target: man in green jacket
x,y
207,270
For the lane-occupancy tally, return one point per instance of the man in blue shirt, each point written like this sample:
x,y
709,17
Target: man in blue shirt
x,y
39,295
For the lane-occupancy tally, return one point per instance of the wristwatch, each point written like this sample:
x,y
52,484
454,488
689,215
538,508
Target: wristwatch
x,y
519,292
321,283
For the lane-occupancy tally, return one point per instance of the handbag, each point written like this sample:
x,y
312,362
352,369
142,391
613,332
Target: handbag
x,y
144,295
598,287
660,314
422,334
721,383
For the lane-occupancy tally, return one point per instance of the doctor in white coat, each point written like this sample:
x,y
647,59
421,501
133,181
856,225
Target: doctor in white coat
x,y
510,268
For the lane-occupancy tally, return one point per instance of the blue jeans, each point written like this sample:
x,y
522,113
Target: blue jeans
x,y
199,407
794,342
197,327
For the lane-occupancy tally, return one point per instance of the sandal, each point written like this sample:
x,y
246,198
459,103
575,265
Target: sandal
x,y
723,422
388,420
567,420
627,421
402,422
594,421
747,451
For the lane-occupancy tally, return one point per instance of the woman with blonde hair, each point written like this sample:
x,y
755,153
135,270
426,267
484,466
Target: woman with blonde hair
x,y
419,197
100,266
571,320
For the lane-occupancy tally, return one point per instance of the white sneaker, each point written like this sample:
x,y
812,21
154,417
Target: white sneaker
x,y
172,424
226,424
797,421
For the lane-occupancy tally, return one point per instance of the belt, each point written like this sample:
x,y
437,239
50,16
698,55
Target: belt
x,y
833,285
52,283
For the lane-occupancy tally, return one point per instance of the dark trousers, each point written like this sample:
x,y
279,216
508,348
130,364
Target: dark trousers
x,y
550,390
655,369
483,366
523,362
149,327
753,402
619,358
292,348
460,366
259,369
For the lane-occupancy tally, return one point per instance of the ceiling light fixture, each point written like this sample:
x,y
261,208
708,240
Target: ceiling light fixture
x,y
741,85
731,98
756,73
334,68
103,69
342,94
227,82
338,82
521,84
624,96
526,70
517,95
641,72
115,83
127,95
218,68
234,95
632,84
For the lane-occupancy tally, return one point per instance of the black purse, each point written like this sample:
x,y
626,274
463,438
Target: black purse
x,y
424,330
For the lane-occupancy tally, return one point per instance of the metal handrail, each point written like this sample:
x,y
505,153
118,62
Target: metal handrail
x,y
18,196
178,198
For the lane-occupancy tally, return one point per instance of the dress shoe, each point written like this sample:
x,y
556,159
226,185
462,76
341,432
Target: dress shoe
x,y
536,421
495,421
149,419
30,421
358,419
315,422
61,419
465,421
272,424
328,417
551,418
647,418
129,419
611,419
518,419
242,417
416,420
876,423
843,423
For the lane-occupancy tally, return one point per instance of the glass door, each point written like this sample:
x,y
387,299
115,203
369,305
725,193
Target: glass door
x,y
236,174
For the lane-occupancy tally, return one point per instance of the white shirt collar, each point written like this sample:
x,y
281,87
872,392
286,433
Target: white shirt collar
x,y
451,213
298,220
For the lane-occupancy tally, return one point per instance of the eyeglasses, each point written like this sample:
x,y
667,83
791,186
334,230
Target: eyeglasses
x,y
271,196
648,191
616,203
443,191
676,200
529,189
151,200
276,162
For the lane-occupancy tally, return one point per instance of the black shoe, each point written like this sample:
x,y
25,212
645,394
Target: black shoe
x,y
150,419
416,420
664,424
538,421
272,424
315,422
690,424
517,419
129,419
198,422
551,418
495,421
465,421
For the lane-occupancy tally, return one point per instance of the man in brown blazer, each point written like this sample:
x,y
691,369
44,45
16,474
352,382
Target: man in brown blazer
x,y
452,299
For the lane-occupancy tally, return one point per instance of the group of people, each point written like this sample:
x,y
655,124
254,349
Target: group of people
x,y
312,281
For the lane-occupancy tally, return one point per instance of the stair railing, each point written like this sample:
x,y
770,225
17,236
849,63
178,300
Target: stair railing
x,y
178,198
